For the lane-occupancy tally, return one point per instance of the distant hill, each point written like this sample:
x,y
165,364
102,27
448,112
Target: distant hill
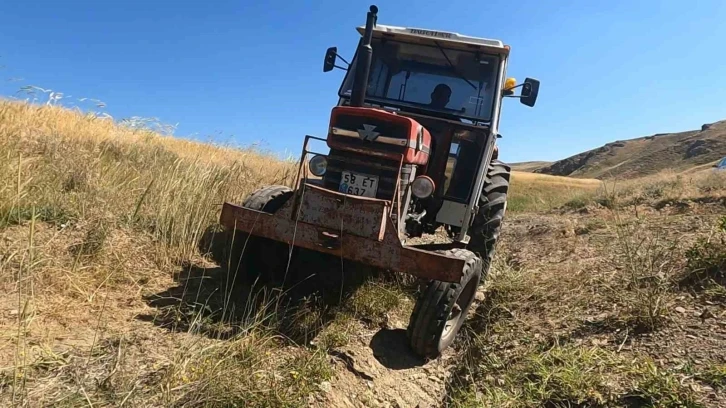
x,y
529,166
645,155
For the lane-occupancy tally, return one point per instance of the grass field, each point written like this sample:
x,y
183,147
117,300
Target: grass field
x,y
95,217
533,192
596,289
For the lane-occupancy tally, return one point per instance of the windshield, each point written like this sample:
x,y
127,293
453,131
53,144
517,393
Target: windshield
x,y
453,82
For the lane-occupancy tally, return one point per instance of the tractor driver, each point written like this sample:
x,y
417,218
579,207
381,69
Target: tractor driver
x,y
440,96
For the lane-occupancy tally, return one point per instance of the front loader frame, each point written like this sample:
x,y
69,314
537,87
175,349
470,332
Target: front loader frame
x,y
356,228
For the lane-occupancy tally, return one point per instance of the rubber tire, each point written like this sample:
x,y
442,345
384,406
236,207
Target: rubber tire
x,y
487,225
437,299
254,256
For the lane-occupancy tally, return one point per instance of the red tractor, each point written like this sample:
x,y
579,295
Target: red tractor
x,y
412,150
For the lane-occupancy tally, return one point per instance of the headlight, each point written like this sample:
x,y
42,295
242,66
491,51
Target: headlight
x,y
318,164
422,187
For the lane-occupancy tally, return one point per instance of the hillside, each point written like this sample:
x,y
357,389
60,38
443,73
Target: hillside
x,y
598,296
530,166
646,155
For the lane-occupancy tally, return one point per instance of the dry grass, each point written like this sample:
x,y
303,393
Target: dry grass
x,y
590,301
94,219
545,338
540,192
109,301
669,186
537,192
567,376
706,263
78,170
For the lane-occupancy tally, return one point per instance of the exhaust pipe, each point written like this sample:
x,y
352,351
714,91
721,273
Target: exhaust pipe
x,y
365,56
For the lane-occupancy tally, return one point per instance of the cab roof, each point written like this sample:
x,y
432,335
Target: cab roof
x,y
450,39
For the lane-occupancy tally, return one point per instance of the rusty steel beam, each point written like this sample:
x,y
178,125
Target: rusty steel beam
x,y
364,217
381,248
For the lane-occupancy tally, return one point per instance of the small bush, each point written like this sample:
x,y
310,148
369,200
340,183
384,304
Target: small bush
x,y
595,224
94,240
337,333
663,188
304,320
714,182
706,260
609,202
373,301
650,262
77,180
54,215
715,375
576,203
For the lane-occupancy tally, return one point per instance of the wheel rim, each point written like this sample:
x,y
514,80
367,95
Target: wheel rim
x,y
458,311
453,319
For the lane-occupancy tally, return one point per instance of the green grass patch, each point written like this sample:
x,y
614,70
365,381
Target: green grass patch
x,y
54,215
373,301
567,376
706,262
715,376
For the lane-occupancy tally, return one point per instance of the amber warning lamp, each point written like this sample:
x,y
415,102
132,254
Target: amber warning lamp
x,y
509,85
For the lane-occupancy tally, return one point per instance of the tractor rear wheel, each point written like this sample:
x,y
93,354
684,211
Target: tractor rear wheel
x,y
442,308
254,256
487,224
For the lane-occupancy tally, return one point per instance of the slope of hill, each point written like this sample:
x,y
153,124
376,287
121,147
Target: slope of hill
x,y
529,166
111,300
646,155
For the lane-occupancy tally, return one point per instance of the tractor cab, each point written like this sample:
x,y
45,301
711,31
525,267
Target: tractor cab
x,y
450,87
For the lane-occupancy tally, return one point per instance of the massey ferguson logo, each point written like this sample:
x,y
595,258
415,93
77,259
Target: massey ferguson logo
x,y
368,133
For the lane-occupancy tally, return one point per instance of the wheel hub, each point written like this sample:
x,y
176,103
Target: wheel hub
x,y
452,320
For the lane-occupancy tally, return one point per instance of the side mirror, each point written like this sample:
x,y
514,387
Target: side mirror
x,y
330,55
530,90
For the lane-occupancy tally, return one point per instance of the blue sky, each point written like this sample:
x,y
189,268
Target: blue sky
x,y
245,72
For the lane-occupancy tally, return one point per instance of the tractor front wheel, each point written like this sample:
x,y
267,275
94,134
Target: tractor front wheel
x,y
487,224
254,256
442,308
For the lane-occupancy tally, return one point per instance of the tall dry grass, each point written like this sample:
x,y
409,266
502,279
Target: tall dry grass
x,y
97,217
77,170
541,192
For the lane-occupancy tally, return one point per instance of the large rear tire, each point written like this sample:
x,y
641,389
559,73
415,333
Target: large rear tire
x,y
442,308
253,257
484,231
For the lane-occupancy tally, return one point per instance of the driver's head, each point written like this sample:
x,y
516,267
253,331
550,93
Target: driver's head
x,y
440,96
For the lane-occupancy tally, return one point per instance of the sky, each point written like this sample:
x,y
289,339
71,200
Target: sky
x,y
246,72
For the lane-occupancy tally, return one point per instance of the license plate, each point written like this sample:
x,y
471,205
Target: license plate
x,y
358,184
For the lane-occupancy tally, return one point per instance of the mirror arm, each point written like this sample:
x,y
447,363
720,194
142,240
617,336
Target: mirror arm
x,y
339,67
512,88
338,56
511,95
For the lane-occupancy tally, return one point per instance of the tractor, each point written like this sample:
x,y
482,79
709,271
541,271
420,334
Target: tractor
x,y
411,153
